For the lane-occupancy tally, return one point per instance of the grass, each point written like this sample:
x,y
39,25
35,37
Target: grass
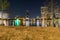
x,y
29,33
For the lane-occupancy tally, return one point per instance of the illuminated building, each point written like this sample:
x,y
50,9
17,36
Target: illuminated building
x,y
27,19
4,15
17,22
37,21
44,12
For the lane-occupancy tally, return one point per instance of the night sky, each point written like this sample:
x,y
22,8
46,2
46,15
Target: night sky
x,y
19,7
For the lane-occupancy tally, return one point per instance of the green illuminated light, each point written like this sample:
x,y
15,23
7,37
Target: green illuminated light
x,y
17,22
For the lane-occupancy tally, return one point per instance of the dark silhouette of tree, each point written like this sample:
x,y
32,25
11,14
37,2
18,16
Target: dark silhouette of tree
x,y
4,5
27,14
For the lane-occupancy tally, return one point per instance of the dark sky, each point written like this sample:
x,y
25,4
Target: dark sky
x,y
19,7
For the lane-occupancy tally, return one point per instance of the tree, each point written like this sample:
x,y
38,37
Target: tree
x,y
4,5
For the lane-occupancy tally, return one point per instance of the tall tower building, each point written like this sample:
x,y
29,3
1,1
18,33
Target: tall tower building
x,y
27,21
57,12
44,12
57,16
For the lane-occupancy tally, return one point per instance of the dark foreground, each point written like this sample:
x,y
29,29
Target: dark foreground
x,y
29,33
